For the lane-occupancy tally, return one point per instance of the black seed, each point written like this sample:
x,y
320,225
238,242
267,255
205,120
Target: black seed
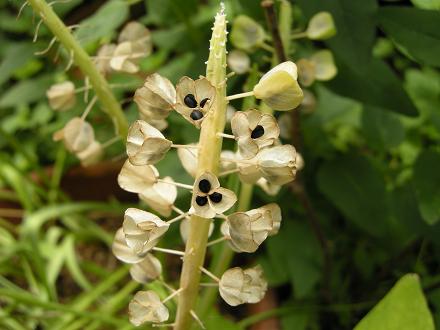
x,y
204,186
190,101
196,115
201,200
203,102
216,197
257,132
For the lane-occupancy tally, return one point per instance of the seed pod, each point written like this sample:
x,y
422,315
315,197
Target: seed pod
x,y
279,87
246,34
306,72
238,61
61,96
321,26
146,145
77,135
268,188
254,131
137,179
160,196
142,230
147,307
278,164
127,55
103,57
325,68
156,97
147,270
122,251
91,155
238,286
135,31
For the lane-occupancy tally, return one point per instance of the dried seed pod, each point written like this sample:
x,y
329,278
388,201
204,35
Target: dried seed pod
x,y
137,179
194,99
209,198
272,211
268,188
306,72
62,96
238,61
103,57
238,286
325,68
147,307
321,26
155,99
308,105
122,251
278,164
135,31
184,229
146,145
246,34
254,131
146,270
77,135
249,229
142,230
160,196
279,87
91,155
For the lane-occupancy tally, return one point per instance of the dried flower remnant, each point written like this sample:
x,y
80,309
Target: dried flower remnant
x,y
238,286
194,99
253,131
146,306
161,196
209,199
146,145
321,26
62,96
155,99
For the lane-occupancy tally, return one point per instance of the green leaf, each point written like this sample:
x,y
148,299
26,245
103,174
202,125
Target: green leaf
x,y
403,308
415,30
427,185
357,189
26,91
427,4
15,57
381,128
215,320
103,23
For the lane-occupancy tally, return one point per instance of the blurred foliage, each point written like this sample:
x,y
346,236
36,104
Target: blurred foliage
x,y
372,169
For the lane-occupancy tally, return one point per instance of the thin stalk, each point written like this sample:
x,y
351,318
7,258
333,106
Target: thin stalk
x,y
82,59
209,158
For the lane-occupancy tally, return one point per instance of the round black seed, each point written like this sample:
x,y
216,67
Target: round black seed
x,y
201,200
203,102
257,132
216,197
204,186
196,115
190,101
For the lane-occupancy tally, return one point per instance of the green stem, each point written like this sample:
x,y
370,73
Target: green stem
x,y
80,57
209,158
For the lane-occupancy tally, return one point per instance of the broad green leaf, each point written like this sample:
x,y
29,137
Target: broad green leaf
x,y
415,30
296,320
26,91
382,129
103,23
357,189
15,57
214,320
403,308
427,185
427,4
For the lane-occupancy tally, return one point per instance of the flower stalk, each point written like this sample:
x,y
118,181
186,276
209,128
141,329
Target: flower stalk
x,y
84,62
210,145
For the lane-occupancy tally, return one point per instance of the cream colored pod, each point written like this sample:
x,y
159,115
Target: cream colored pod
x,y
91,155
324,64
239,61
155,99
161,196
321,26
142,230
279,87
146,306
146,270
238,286
61,96
103,57
146,145
77,135
246,34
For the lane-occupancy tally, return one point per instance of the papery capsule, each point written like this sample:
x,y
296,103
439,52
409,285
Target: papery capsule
x,y
61,96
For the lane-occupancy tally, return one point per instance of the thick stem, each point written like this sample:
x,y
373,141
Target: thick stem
x,y
80,57
209,158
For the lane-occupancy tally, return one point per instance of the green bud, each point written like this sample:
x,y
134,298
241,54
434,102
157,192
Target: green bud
x,y
246,34
321,26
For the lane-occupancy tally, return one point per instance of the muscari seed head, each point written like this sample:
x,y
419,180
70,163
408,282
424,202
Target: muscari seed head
x,y
204,186
257,132
190,101
203,102
201,200
216,197
196,115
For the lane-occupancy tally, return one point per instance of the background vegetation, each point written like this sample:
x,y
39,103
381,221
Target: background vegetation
x,y
372,171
